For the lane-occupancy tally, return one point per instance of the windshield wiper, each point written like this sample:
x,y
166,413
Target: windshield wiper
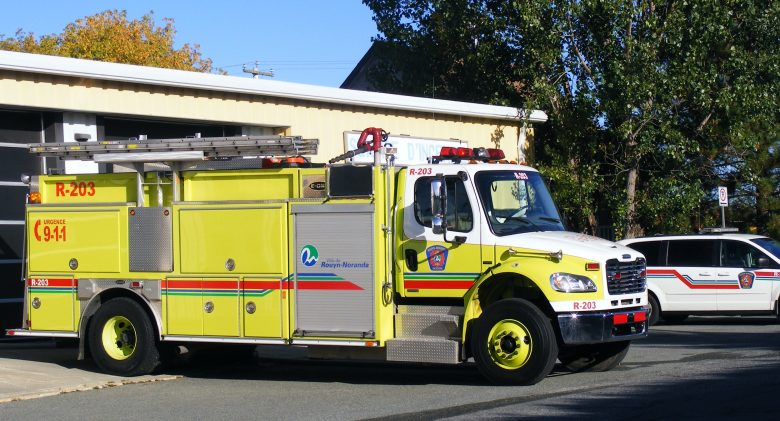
x,y
550,219
521,219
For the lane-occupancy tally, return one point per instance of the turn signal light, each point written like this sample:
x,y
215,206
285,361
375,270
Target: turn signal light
x,y
592,266
34,197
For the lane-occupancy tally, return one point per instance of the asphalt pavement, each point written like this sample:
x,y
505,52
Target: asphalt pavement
x,y
706,368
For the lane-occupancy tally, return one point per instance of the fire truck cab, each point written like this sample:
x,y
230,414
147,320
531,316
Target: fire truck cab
x,y
465,257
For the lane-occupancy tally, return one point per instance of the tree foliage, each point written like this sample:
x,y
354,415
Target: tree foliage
x,y
652,104
110,36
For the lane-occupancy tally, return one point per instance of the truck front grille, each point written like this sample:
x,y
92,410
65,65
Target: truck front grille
x,y
626,277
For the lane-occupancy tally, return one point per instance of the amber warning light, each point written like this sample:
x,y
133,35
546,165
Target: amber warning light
x,y
34,197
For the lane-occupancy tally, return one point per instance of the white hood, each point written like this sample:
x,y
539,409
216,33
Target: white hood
x,y
572,244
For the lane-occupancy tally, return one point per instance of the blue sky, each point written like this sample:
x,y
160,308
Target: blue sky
x,y
305,41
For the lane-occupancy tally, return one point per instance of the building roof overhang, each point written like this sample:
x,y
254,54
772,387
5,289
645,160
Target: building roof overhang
x,y
65,66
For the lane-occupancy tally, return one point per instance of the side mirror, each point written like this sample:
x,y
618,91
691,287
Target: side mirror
x,y
764,262
439,204
551,184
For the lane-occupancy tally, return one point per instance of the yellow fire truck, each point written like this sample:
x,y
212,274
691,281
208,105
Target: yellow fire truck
x,y
241,240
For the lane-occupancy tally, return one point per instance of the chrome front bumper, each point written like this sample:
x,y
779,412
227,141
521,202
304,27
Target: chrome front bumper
x,y
606,326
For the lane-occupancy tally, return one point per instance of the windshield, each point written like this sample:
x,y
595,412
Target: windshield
x,y
769,245
517,201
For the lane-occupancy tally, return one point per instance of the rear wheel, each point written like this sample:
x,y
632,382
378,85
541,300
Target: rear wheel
x,y
513,343
594,357
122,340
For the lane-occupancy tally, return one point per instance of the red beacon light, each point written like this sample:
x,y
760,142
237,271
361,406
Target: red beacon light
x,y
449,153
496,154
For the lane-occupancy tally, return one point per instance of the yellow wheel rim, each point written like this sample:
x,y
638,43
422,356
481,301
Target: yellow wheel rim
x,y
119,338
510,344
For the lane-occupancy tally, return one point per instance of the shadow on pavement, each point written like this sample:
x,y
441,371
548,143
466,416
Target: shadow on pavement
x,y
62,353
699,334
284,364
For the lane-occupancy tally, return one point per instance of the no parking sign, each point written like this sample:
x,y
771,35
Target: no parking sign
x,y
723,196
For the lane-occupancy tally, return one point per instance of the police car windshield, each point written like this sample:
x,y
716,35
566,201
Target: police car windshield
x,y
517,201
769,245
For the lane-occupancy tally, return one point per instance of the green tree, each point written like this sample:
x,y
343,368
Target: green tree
x,y
651,104
110,36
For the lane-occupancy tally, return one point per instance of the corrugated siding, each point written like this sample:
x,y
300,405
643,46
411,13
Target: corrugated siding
x,y
325,121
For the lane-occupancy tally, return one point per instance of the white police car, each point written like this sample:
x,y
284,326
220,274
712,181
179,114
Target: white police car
x,y
714,273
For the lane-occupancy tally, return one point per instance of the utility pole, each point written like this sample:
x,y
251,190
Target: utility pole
x,y
256,72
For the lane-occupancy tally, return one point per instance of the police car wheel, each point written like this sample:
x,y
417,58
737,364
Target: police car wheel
x,y
121,339
655,310
514,343
594,357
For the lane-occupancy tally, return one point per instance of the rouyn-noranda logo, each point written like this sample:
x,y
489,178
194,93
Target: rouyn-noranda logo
x,y
309,255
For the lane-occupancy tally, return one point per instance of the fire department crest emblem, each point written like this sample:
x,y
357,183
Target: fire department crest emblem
x,y
746,280
437,257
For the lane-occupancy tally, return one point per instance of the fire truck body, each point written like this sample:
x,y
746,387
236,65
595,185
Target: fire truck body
x,y
431,263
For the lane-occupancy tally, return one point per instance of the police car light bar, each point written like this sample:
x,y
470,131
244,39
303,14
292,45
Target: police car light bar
x,y
718,230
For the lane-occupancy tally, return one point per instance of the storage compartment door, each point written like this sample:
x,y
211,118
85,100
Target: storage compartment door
x,y
69,240
52,303
183,306
220,307
334,271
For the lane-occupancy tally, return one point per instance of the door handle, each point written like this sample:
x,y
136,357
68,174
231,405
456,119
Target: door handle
x,y
411,259
723,274
705,274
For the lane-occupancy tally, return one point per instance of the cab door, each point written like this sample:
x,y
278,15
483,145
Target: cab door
x,y
433,267
750,285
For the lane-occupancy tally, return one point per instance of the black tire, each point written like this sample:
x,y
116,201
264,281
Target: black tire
x,y
513,342
655,310
594,357
777,309
122,339
674,318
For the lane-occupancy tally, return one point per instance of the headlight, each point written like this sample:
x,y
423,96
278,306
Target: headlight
x,y
569,282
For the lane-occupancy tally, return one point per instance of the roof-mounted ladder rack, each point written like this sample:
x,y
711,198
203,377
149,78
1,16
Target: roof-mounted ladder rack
x,y
175,152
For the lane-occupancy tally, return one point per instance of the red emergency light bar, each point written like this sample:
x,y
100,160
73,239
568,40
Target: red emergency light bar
x,y
449,153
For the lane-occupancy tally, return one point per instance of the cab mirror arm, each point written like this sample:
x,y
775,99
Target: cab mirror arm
x,y
439,209
439,205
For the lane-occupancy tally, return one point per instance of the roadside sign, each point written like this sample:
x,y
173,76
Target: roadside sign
x,y
723,196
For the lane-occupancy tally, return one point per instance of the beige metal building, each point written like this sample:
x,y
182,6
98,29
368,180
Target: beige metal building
x,y
52,99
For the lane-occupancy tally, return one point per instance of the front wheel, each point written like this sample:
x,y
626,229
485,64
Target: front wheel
x,y
514,343
594,357
122,340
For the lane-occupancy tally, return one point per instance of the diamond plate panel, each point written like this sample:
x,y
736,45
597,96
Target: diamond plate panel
x,y
151,244
456,310
410,325
423,350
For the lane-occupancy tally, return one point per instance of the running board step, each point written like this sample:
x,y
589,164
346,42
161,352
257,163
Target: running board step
x,y
414,321
423,350
424,325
